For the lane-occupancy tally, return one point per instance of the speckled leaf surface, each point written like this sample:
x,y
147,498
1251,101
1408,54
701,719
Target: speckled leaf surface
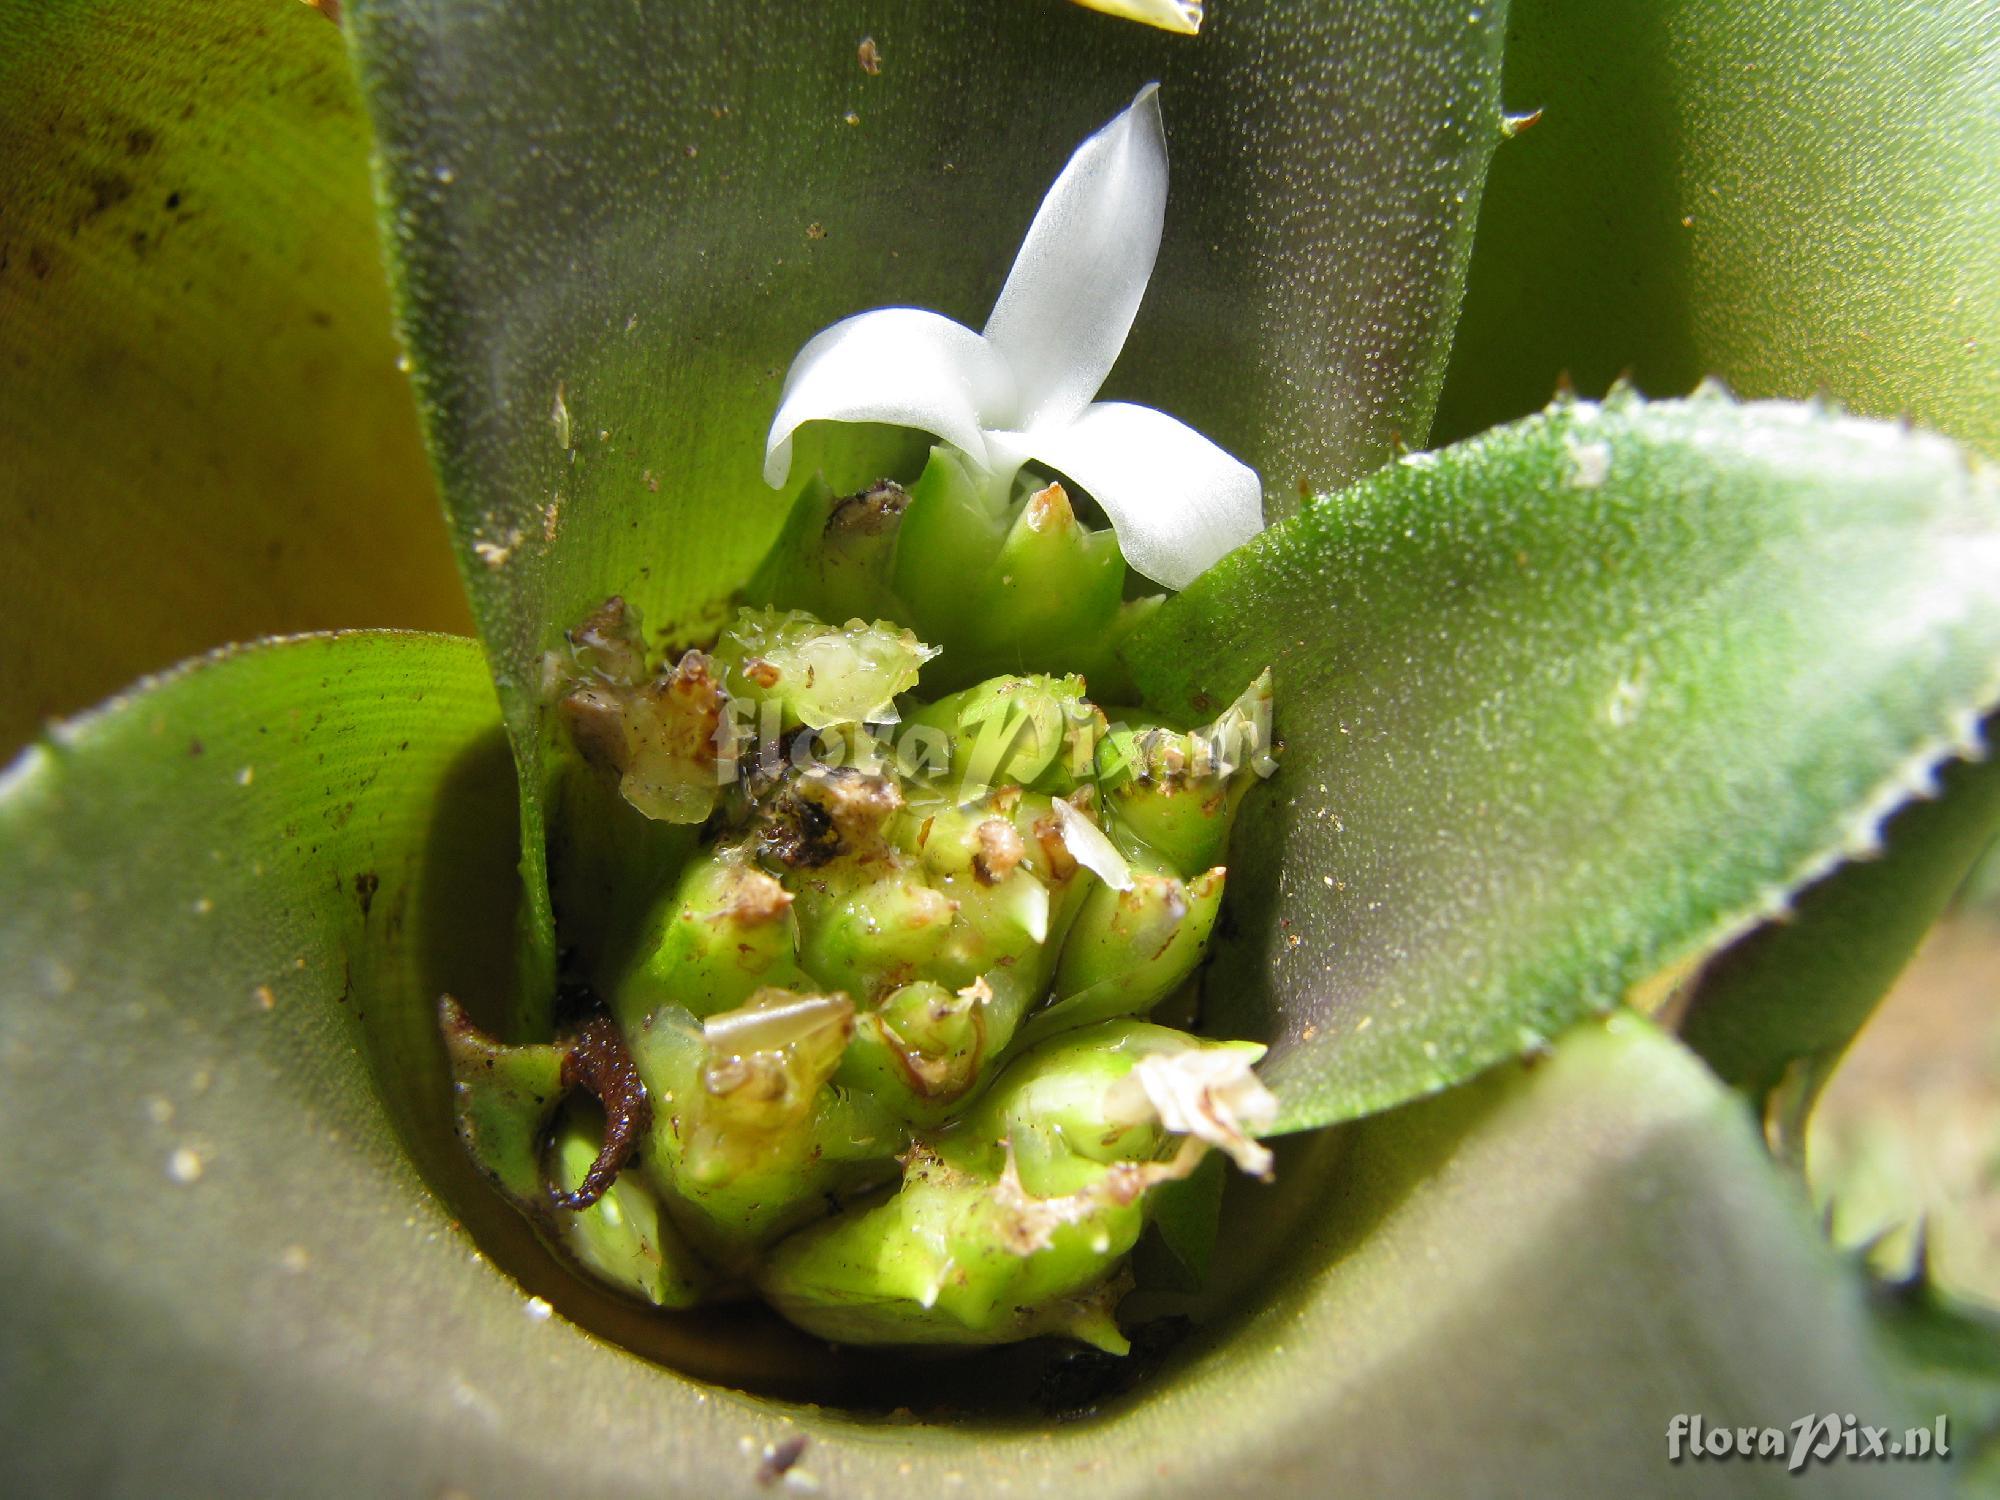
x,y
614,224
227,1273
1568,705
1796,195
205,434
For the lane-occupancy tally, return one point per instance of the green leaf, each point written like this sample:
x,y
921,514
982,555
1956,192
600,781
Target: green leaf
x,y
1796,195
1568,705
613,225
1946,1354
1774,1012
1600,1232
206,435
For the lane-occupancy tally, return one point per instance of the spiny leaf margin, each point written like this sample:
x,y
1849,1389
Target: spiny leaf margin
x,y
1570,704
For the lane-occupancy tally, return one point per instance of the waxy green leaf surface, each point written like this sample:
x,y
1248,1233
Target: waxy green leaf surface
x,y
1795,195
205,436
1567,705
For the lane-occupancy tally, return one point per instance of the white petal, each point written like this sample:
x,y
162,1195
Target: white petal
x,y
897,364
1077,279
1090,848
1176,500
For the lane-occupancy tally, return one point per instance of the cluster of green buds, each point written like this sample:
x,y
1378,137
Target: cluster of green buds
x,y
880,1058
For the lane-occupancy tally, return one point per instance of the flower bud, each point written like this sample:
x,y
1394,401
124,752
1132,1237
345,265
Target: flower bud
x,y
1035,732
1128,950
1015,1223
725,931
1178,792
747,1134
920,1053
622,1238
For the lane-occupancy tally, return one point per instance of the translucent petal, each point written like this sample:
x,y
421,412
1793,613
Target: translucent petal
x,y
1176,500
900,365
1090,848
1078,277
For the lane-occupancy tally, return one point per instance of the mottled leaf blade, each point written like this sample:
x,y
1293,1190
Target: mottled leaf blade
x,y
206,437
1568,705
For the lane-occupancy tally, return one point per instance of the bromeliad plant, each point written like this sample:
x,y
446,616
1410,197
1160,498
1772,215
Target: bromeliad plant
x,y
1566,713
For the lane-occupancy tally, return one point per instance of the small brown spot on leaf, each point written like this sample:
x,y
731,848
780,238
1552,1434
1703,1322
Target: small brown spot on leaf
x,y
780,1457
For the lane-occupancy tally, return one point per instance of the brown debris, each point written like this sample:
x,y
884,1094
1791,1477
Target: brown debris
x,y
1060,863
823,813
759,900
609,642
661,734
1000,851
780,1457
870,512
599,1062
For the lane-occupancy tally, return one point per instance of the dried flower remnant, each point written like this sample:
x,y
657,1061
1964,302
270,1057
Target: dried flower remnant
x,y
597,1061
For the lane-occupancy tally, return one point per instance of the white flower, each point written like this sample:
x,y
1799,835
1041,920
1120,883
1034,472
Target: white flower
x,y
1022,388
